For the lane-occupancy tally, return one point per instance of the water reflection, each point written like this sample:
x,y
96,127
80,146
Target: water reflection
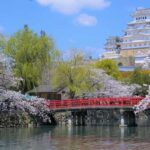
x,y
75,138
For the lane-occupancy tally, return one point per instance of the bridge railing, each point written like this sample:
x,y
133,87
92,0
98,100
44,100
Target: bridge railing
x,y
93,103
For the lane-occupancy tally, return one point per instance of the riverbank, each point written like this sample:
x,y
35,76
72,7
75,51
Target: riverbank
x,y
17,111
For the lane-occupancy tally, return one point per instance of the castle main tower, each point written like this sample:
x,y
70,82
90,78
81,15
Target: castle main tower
x,y
136,40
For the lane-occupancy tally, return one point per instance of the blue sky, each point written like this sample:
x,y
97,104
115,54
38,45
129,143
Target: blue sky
x,y
81,24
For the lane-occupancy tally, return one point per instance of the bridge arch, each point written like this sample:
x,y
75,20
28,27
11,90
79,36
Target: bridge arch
x,y
97,111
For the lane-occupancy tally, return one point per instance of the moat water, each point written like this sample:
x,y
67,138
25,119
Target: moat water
x,y
75,138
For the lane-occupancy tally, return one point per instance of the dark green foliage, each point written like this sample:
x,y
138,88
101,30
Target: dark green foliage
x,y
143,91
142,79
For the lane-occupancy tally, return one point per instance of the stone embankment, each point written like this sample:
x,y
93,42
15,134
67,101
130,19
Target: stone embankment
x,y
17,111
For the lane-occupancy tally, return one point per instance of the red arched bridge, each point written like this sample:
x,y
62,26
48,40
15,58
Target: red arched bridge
x,y
91,103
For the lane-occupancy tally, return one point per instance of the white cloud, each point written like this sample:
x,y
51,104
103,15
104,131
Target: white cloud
x,y
74,6
86,20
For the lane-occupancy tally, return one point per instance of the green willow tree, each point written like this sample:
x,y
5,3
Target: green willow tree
x,y
30,53
109,66
73,76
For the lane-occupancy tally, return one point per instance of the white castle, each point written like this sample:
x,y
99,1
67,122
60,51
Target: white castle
x,y
134,43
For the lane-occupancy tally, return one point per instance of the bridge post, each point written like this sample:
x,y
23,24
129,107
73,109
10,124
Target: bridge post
x,y
83,119
69,121
75,119
122,119
80,120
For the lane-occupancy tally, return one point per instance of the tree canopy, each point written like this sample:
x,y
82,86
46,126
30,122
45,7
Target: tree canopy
x,y
30,54
138,77
109,66
141,78
73,75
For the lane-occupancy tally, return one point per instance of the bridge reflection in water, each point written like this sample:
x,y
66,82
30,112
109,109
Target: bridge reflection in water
x,y
96,111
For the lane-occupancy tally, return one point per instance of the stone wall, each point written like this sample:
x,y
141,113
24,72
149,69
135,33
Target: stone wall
x,y
8,120
22,119
16,111
62,117
143,118
102,117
